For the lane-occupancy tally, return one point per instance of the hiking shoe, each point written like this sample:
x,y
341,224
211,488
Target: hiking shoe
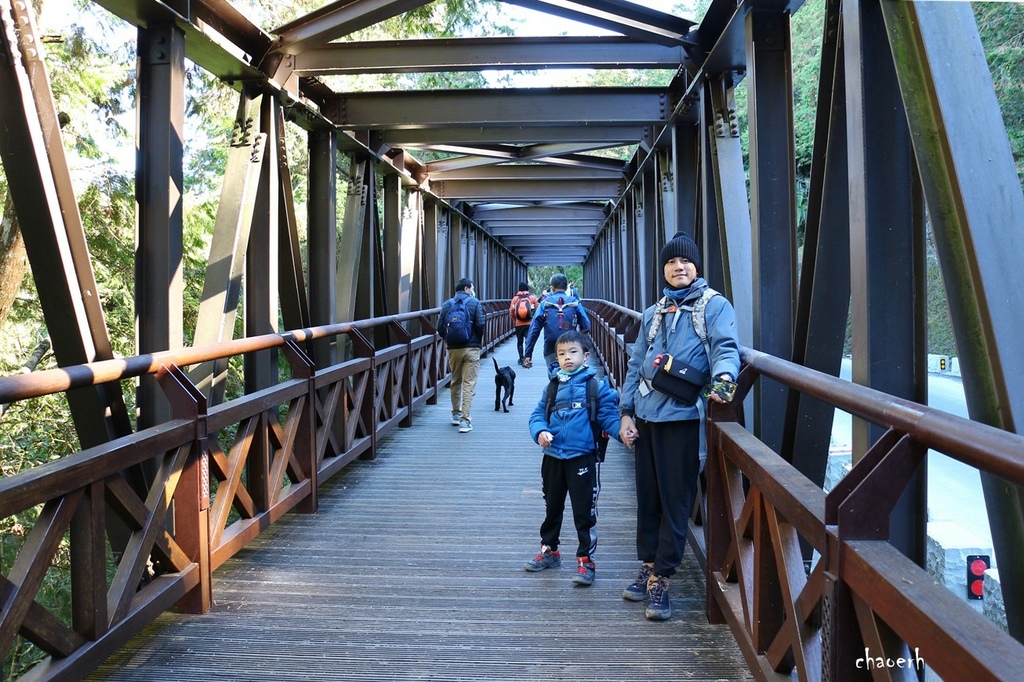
x,y
456,418
658,607
584,571
465,426
547,558
638,590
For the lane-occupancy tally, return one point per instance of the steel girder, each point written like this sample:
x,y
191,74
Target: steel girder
x,y
772,206
480,54
976,209
824,296
886,244
322,209
223,282
507,107
159,283
47,211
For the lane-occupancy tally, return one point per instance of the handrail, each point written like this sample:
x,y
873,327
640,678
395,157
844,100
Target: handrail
x,y
761,514
218,477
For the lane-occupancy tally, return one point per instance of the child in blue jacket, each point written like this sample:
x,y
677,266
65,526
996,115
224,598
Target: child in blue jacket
x,y
571,464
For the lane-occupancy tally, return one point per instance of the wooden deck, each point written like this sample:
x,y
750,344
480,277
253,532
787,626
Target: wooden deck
x,y
412,569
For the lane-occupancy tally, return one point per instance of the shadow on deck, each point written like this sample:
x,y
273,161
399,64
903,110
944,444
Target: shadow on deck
x,y
413,569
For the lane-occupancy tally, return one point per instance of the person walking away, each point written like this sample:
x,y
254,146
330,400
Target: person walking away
x,y
461,325
666,431
556,314
572,415
522,308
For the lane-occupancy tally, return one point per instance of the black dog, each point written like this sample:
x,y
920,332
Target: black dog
x,y
504,378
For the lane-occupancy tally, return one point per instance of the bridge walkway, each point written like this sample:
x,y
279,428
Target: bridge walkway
x,y
413,569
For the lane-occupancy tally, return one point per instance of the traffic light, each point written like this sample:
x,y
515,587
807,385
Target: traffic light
x,y
942,364
977,564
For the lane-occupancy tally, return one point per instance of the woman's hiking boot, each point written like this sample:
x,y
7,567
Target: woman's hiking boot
x,y
658,607
638,590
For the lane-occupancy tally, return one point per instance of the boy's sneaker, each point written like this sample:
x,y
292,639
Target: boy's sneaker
x,y
584,571
658,607
465,426
547,558
638,590
456,418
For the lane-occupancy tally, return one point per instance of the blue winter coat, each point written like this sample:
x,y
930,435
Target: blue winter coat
x,y
553,328
570,426
677,338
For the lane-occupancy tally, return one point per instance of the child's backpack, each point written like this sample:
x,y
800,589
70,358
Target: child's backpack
x,y
600,437
523,309
458,324
564,320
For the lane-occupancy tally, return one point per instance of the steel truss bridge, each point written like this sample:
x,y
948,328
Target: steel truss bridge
x,y
907,127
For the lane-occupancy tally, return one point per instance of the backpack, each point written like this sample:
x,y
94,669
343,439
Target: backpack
x,y
600,437
523,310
566,318
697,316
458,324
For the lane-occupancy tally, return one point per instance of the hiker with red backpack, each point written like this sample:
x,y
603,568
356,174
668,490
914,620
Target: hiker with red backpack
x,y
523,305
557,313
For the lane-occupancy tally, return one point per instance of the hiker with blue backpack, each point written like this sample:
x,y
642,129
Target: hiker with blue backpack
x,y
686,352
557,313
461,325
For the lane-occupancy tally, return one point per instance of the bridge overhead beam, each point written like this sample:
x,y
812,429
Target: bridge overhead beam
x,y
530,190
496,214
628,19
481,54
337,19
514,106
603,135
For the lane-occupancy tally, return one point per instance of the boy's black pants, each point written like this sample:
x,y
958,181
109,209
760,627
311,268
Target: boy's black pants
x,y
580,478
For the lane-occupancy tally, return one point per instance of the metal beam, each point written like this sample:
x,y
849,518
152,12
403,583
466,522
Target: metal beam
x,y
531,190
481,54
514,106
627,18
514,134
336,20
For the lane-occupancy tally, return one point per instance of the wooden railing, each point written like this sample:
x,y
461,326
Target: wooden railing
x,y
863,611
218,477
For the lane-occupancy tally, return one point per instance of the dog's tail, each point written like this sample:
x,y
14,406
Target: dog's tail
x,y
495,361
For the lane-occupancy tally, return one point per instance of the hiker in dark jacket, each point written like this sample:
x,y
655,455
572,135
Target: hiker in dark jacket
x,y
557,313
463,355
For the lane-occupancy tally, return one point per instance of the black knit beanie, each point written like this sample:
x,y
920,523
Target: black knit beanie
x,y
681,245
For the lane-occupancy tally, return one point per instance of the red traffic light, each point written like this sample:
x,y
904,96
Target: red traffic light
x,y
977,564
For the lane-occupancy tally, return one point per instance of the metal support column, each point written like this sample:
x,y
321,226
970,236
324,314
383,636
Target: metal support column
x,y
158,187
322,210
772,206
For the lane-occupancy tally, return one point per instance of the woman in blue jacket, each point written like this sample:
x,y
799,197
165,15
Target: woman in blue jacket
x,y
664,431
